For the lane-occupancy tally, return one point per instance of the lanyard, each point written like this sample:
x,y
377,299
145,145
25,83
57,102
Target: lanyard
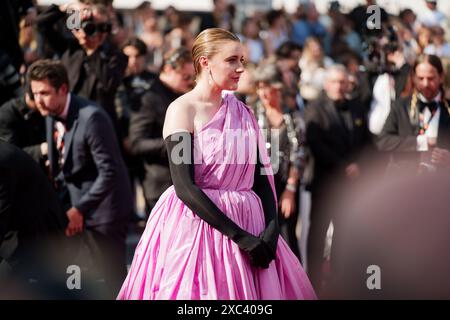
x,y
423,127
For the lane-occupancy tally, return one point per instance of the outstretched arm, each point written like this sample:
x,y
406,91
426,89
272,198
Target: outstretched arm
x,y
46,22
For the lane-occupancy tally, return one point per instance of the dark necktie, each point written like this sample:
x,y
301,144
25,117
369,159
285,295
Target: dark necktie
x,y
341,105
432,106
62,120
58,135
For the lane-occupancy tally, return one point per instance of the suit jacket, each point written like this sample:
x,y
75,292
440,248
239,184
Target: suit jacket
x,y
10,86
106,70
399,132
106,67
401,79
332,144
22,127
93,168
28,203
146,139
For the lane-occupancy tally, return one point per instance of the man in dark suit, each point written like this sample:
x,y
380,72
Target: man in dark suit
x,y
30,213
136,83
84,151
146,123
336,133
95,67
22,125
417,130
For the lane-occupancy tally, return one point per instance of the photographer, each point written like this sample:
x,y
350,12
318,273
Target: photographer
x,y
388,71
361,17
23,126
95,67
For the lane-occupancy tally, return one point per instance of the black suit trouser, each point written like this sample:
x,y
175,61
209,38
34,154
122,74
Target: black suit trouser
x,y
320,219
102,255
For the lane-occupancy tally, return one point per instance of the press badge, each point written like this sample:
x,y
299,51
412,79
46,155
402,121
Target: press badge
x,y
422,142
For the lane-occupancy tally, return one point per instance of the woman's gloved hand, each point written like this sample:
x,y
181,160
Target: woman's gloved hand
x,y
258,250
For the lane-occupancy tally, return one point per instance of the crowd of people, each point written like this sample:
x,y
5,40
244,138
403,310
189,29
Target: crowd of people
x,y
87,109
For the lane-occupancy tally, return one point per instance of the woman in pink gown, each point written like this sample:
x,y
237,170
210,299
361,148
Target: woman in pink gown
x,y
180,255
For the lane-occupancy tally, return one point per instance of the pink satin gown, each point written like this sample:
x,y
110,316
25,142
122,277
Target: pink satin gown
x,y
179,256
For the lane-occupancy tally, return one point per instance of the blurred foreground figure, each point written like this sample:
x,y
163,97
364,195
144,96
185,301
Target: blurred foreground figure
x,y
393,240
30,215
337,134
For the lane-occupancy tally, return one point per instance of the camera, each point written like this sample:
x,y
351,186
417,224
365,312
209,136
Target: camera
x,y
90,28
377,47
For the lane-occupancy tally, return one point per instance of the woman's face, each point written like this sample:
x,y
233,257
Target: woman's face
x,y
315,49
424,37
136,61
227,66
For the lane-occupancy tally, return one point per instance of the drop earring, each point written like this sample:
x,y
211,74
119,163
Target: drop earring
x,y
210,78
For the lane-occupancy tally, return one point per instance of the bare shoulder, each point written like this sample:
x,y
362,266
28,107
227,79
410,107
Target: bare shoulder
x,y
179,116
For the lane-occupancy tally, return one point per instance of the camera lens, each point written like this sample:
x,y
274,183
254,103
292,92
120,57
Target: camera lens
x,y
89,28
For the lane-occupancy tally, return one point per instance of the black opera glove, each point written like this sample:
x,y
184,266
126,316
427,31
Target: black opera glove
x,y
262,187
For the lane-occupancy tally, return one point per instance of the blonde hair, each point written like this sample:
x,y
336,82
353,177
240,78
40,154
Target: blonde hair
x,y
207,44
